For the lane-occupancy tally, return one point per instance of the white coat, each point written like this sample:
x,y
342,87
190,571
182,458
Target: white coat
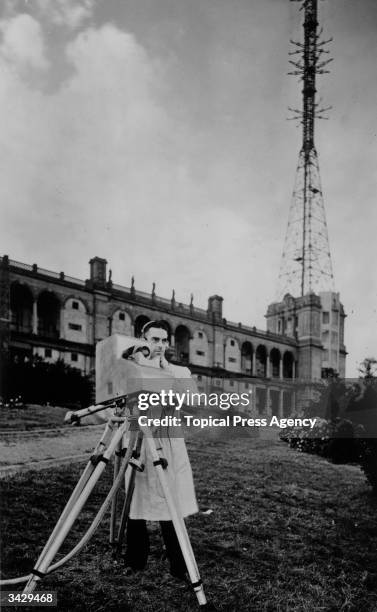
x,y
148,501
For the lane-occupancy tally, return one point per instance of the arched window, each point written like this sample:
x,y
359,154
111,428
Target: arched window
x,y
168,329
275,358
48,315
140,321
182,344
261,361
21,306
247,357
288,365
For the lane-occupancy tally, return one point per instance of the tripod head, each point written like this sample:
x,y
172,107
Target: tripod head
x,y
117,404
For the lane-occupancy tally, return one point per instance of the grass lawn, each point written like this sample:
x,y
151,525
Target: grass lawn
x,y
288,532
32,416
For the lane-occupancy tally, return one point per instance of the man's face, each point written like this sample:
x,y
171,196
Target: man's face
x,y
158,341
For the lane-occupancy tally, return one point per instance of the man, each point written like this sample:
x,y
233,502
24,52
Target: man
x,y
148,502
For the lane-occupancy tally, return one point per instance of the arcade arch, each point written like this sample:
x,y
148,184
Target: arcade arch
x,y
48,308
182,344
140,321
288,361
261,361
21,306
247,357
275,358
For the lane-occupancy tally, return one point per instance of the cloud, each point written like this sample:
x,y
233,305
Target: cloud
x,y
92,153
100,166
70,13
22,44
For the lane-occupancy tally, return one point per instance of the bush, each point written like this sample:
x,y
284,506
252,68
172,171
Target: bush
x,y
368,460
335,440
339,441
41,382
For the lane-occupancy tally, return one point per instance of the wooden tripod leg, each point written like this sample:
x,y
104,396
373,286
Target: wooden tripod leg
x,y
65,525
178,522
117,462
84,478
129,494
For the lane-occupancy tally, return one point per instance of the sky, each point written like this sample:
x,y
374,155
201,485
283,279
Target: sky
x,y
154,133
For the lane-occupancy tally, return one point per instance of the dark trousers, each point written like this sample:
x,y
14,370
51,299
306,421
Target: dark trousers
x,y
137,546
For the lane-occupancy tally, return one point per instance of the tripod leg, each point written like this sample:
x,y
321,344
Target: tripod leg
x,y
178,522
117,462
65,525
88,471
128,500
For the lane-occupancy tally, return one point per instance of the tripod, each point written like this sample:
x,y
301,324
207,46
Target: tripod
x,y
120,425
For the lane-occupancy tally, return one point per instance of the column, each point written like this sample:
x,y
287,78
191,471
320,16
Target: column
x,y
35,317
268,402
281,368
254,364
294,369
268,366
190,355
62,326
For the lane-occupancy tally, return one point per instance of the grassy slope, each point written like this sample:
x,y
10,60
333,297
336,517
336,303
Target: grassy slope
x,y
32,416
288,532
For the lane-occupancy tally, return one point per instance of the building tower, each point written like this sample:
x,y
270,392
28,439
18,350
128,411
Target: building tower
x,y
308,307
306,262
4,321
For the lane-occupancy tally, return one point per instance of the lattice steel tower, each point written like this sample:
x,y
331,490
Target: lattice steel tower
x,y
306,262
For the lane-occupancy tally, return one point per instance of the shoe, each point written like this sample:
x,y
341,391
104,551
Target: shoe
x,y
183,576
129,570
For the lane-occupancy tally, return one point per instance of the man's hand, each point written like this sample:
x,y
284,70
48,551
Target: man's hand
x,y
164,364
71,418
68,417
140,359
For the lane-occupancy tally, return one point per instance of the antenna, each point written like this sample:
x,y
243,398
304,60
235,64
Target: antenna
x,y
306,261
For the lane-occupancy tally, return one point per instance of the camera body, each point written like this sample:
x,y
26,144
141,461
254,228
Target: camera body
x,y
117,376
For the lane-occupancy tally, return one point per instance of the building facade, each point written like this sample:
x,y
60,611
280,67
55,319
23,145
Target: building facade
x,y
317,324
55,316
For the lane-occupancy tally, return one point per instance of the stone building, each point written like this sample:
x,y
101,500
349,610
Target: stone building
x,y
317,324
59,317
